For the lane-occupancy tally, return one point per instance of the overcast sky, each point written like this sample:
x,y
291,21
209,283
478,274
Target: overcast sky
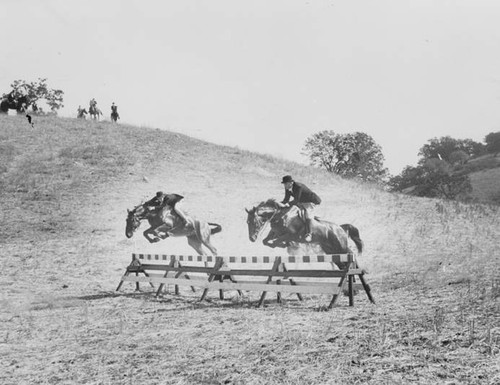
x,y
264,75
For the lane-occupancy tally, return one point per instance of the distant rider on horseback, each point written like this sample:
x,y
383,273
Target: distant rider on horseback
x,y
81,112
162,200
93,106
114,112
304,198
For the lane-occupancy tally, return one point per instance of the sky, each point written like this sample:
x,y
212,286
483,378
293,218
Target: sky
x,y
264,75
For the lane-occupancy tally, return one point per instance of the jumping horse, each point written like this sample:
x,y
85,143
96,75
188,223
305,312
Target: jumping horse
x,y
164,223
288,229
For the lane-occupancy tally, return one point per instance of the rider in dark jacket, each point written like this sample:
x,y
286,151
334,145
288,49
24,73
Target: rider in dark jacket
x,y
303,197
160,200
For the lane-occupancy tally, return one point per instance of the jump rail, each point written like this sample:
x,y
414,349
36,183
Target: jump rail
x,y
280,277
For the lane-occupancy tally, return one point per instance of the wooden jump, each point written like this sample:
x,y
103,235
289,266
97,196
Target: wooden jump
x,y
263,274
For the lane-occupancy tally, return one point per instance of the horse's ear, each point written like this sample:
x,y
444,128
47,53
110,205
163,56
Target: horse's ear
x,y
247,210
128,211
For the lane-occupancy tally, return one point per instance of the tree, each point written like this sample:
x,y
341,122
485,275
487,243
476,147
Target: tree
x,y
458,158
37,91
354,155
492,141
443,147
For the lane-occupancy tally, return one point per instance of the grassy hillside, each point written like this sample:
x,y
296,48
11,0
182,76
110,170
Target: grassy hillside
x,y
484,174
65,188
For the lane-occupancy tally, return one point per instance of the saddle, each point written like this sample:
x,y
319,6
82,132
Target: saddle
x,y
300,213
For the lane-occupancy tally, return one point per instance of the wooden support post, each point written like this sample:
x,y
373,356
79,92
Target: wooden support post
x,y
278,294
218,264
350,289
276,265
292,282
365,284
221,292
185,276
366,287
173,263
336,296
121,282
137,283
176,287
162,285
134,267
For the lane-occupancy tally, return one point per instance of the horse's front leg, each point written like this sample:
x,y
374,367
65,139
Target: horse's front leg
x,y
283,241
151,235
269,240
274,242
162,231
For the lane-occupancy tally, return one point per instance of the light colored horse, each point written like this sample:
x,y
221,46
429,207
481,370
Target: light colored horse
x,y
95,112
165,223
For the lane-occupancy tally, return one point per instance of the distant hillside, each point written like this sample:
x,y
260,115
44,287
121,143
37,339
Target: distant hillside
x,y
484,173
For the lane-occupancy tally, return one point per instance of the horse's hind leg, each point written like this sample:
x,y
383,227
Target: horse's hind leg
x,y
197,245
209,246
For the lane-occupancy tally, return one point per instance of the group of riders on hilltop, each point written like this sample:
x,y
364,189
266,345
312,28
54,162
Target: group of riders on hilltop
x,y
296,194
95,111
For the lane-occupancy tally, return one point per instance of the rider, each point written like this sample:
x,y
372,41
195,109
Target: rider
x,y
304,198
160,200
81,112
92,105
114,111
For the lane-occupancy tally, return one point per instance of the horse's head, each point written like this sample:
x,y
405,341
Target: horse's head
x,y
258,216
134,218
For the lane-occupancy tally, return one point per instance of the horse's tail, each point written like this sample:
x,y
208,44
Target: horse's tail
x,y
214,228
353,233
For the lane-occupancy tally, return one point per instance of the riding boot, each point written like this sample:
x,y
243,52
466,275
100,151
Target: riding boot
x,y
308,236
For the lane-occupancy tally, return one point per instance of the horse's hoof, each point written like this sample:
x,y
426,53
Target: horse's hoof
x,y
155,240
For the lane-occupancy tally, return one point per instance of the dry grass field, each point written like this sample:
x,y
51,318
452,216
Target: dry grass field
x,y
65,187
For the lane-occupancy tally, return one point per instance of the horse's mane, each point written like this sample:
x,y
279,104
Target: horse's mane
x,y
270,203
137,210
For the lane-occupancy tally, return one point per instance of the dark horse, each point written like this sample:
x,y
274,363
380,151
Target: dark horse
x,y
287,229
114,116
165,222
20,104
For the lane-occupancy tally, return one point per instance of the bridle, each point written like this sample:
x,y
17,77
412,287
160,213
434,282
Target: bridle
x,y
134,218
262,223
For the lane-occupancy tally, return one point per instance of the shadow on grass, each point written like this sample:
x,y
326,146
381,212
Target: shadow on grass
x,y
112,294
192,301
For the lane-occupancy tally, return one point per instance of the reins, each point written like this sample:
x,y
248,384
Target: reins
x,y
266,222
